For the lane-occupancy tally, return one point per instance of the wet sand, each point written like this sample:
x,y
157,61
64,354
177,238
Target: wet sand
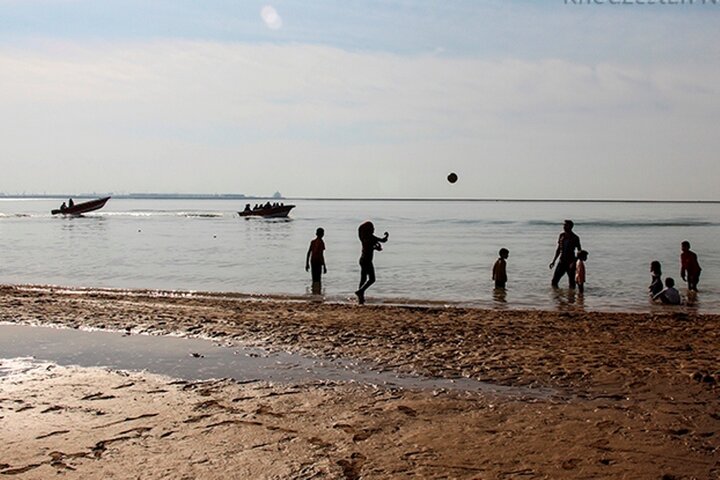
x,y
637,394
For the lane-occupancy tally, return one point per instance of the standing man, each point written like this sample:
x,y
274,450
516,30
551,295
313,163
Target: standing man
x,y
568,244
315,260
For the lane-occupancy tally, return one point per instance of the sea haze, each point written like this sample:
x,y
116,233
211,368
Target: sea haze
x,y
439,251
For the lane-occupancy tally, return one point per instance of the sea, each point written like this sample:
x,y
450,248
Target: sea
x,y
439,252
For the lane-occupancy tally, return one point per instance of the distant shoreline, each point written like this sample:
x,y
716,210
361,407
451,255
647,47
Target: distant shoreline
x,y
240,196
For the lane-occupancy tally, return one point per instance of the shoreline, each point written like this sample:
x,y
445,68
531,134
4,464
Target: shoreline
x,y
426,340
649,309
638,394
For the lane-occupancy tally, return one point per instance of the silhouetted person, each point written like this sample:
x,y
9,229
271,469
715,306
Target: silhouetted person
x,y
656,283
315,260
689,266
499,272
568,242
370,243
71,203
267,205
63,207
670,295
580,270
247,207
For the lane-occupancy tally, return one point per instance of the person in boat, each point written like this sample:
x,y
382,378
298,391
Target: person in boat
x,y
247,207
63,207
267,205
71,203
315,260
370,243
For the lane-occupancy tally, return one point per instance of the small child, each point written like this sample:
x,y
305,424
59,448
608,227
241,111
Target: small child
x,y
499,271
316,259
689,266
656,284
580,270
669,296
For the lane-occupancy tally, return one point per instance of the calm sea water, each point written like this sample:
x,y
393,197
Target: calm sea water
x,y
438,250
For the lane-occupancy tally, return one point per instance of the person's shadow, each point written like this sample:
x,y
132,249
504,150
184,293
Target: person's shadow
x,y
568,299
500,296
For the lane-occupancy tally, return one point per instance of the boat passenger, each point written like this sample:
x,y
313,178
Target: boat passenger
x,y
267,205
247,207
63,207
71,203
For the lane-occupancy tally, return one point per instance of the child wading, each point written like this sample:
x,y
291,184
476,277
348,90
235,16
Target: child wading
x,y
315,260
656,283
499,272
669,296
370,243
689,266
580,270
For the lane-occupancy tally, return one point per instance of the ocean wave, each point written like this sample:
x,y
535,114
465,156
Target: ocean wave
x,y
630,223
199,215
161,213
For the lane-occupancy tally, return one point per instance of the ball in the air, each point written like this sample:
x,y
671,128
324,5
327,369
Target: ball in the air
x,y
452,178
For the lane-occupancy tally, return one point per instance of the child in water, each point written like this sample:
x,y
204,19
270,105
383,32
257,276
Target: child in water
x,y
370,243
656,284
689,266
580,270
669,296
499,271
315,260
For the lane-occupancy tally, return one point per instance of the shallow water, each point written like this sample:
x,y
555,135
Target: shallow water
x,y
438,250
199,359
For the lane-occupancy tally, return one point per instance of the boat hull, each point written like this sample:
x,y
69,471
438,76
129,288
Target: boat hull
x,y
272,212
84,207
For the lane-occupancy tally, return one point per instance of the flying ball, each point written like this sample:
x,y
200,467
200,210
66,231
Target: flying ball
x,y
452,178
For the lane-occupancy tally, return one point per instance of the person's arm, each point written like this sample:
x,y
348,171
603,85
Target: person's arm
x,y
378,240
683,266
557,251
495,271
307,258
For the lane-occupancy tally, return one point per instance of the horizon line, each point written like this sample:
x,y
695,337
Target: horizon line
x,y
241,196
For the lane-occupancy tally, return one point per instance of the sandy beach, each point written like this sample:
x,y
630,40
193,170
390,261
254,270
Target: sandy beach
x,y
633,395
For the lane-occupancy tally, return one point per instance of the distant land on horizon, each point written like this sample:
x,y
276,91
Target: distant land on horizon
x,y
278,195
158,196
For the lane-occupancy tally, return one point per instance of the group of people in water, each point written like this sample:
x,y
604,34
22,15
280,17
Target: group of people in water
x,y
569,259
315,258
689,271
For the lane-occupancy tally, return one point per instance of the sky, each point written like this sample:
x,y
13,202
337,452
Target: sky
x,y
316,98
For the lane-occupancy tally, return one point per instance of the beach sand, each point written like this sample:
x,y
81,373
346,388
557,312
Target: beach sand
x,y
635,395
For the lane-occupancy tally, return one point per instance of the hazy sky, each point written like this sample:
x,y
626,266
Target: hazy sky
x,y
523,99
